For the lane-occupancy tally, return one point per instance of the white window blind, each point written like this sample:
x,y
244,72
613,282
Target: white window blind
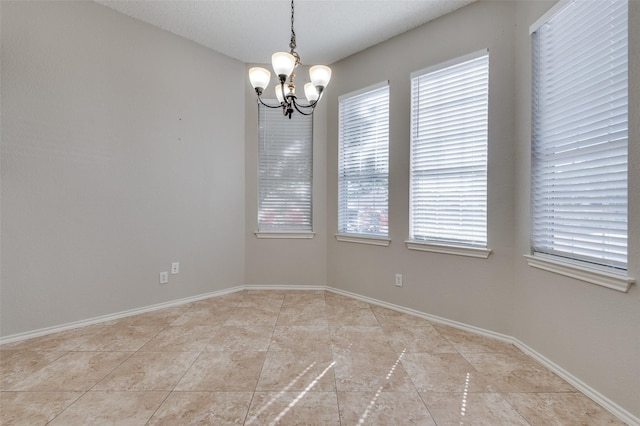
x,y
285,159
579,133
363,161
448,189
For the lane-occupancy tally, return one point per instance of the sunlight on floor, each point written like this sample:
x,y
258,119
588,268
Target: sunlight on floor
x,y
463,405
364,415
300,395
254,418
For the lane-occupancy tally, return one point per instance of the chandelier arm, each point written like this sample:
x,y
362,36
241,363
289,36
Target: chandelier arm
x,y
300,105
295,105
311,104
267,105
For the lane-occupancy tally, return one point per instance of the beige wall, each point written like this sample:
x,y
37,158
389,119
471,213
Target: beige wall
x,y
469,290
590,331
121,153
285,261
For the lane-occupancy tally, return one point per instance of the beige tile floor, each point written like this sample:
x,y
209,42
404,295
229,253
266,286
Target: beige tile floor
x,y
281,357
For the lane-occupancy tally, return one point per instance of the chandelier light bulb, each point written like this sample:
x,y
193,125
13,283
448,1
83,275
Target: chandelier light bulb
x,y
279,94
283,64
259,78
320,75
311,93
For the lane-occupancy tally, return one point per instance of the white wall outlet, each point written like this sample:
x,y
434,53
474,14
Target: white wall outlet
x,y
175,268
164,277
399,280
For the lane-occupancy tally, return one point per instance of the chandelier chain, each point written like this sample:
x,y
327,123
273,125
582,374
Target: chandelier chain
x,y
292,44
284,65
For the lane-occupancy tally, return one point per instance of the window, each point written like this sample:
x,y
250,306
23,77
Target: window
x,y
285,159
448,189
579,134
363,162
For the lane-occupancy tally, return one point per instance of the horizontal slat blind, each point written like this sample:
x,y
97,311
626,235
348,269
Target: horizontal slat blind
x,y
579,133
449,153
285,162
363,163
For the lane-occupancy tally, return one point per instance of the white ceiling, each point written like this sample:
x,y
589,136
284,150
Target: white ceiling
x,y
251,30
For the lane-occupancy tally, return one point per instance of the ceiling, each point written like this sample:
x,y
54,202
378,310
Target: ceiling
x,y
251,30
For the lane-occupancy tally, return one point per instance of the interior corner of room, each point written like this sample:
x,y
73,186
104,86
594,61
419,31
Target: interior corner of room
x,y
126,148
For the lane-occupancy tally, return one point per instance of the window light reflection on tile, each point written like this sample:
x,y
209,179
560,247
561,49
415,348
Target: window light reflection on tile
x,y
300,395
254,419
377,395
370,406
463,405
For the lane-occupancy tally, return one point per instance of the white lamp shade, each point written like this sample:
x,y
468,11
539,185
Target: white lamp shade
x,y
320,75
279,93
259,77
311,92
283,63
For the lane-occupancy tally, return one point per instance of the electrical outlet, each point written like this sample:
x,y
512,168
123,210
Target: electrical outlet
x,y
399,280
164,277
175,268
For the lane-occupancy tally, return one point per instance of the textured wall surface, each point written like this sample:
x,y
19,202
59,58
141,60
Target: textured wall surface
x,y
469,290
121,153
588,330
286,261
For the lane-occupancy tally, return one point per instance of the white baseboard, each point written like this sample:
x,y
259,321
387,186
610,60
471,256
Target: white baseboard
x,y
110,317
123,314
574,381
284,287
433,318
590,392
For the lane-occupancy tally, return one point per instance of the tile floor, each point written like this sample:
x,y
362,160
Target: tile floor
x,y
281,357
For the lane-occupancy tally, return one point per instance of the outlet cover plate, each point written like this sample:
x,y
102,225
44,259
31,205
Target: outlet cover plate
x,y
399,280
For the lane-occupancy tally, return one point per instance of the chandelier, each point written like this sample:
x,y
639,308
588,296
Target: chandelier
x,y
283,65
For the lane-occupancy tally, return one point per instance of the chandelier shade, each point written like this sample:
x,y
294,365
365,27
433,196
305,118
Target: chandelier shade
x,y
320,75
284,65
311,92
259,78
279,95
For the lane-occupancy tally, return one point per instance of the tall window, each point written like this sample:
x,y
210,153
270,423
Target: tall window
x,y
363,162
579,133
285,161
448,187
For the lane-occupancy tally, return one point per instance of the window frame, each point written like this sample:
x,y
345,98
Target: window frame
x,y
437,244
344,234
284,232
573,265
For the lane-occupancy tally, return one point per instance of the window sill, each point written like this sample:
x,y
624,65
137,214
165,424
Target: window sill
x,y
363,239
481,253
285,235
581,272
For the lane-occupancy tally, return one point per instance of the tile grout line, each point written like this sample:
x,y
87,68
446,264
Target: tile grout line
x,y
253,394
172,390
389,320
335,361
